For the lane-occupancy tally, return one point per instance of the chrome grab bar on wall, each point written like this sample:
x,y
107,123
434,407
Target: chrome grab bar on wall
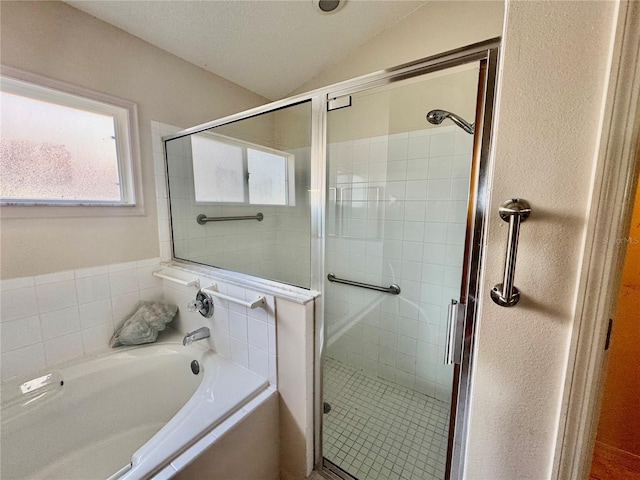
x,y
203,219
514,211
392,289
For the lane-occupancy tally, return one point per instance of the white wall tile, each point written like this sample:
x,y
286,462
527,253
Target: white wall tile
x,y
55,296
18,303
125,305
273,369
239,352
441,145
62,349
414,211
462,143
92,288
397,149
437,211
120,267
97,338
238,328
145,277
15,283
221,345
96,313
125,281
459,189
441,167
416,190
433,273
439,189
418,146
59,323
155,294
220,320
54,277
258,361
461,166
20,333
258,334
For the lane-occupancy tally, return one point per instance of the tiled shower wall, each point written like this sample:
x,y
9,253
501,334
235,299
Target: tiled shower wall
x,y
49,319
396,214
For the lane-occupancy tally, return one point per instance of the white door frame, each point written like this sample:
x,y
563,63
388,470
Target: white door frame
x,y
614,181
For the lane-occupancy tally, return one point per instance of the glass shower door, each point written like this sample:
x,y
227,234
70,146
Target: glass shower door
x,y
396,216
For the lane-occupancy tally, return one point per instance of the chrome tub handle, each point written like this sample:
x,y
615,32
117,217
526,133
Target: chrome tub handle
x,y
514,211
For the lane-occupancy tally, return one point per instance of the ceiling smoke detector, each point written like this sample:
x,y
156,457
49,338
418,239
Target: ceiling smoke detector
x,y
329,6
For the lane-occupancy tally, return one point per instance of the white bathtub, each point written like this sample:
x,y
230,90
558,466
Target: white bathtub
x,y
122,415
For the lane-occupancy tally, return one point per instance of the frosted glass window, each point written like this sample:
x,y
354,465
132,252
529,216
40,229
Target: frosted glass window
x,y
218,170
231,171
59,148
267,178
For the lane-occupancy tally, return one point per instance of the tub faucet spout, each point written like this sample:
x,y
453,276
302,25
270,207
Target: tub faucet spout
x,y
196,335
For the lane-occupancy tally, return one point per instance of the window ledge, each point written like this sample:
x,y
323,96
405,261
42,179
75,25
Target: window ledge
x,y
75,210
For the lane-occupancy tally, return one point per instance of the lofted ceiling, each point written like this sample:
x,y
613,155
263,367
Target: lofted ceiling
x,y
269,47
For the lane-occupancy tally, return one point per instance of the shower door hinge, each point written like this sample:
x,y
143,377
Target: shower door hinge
x,y
339,102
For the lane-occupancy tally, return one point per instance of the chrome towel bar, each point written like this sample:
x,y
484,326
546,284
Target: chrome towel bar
x,y
393,289
203,219
514,211
260,301
192,282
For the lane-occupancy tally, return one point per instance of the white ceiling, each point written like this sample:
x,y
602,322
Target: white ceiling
x,y
269,47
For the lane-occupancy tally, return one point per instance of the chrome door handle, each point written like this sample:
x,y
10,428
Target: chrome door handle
x,y
455,324
514,211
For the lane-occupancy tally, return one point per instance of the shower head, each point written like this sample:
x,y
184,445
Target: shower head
x,y
437,116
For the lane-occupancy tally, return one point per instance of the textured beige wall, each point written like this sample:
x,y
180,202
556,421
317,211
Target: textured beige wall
x,y
554,70
55,40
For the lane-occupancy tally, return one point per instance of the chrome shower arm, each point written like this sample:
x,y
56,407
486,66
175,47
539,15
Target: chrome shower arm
x,y
462,123
436,117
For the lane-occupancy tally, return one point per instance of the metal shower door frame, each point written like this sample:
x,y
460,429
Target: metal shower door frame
x,y
487,51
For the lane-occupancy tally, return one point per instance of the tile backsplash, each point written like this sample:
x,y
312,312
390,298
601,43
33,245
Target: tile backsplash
x,y
49,319
245,336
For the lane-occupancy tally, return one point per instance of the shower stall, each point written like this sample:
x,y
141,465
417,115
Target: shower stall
x,y
370,192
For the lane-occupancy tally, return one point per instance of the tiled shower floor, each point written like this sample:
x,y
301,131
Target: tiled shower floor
x,y
377,430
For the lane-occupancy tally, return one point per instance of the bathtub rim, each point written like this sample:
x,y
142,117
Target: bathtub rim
x,y
145,461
